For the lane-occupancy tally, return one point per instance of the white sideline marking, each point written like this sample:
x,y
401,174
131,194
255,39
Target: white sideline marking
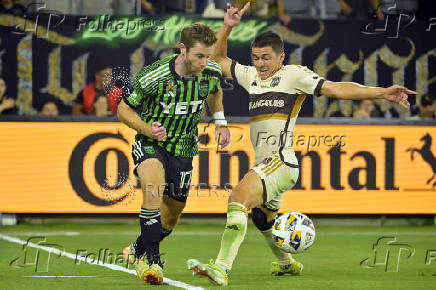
x,y
60,276
80,258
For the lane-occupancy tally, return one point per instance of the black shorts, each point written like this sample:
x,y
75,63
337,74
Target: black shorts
x,y
178,170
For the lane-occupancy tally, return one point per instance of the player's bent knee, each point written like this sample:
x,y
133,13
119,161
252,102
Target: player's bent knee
x,y
238,196
260,219
249,191
244,198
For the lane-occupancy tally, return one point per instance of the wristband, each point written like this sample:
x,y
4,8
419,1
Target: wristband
x,y
219,118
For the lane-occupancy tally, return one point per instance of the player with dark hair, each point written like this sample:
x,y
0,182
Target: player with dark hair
x,y
171,94
276,93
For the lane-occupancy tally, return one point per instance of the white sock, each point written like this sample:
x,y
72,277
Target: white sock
x,y
283,258
233,235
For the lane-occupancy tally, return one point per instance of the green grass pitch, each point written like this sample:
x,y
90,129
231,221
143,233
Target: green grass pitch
x,y
333,262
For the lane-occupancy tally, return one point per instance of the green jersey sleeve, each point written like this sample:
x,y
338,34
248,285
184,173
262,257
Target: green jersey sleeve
x,y
140,92
215,68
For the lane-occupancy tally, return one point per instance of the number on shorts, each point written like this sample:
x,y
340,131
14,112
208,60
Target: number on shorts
x,y
183,175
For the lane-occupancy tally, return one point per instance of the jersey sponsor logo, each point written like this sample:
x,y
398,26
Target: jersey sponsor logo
x,y
267,160
182,108
203,88
275,82
266,103
149,150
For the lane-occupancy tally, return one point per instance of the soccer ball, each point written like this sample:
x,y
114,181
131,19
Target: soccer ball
x,y
293,232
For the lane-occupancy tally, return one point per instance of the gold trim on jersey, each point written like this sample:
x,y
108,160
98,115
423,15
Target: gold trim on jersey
x,y
261,117
272,166
266,167
298,102
273,169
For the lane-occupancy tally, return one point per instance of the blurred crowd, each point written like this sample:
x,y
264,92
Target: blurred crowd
x,y
284,10
100,97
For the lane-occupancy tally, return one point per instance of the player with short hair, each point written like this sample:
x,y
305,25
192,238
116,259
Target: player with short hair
x,y
171,94
276,93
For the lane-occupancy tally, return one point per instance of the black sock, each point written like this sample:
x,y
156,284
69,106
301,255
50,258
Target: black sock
x,y
138,246
164,233
150,234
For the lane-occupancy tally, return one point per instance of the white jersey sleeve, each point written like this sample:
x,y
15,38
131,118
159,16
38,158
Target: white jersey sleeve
x,y
305,80
243,74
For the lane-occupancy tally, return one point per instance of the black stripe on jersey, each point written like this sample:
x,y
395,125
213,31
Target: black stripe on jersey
x,y
180,90
283,142
211,72
232,70
128,103
180,117
179,86
192,125
162,86
214,74
148,116
317,91
157,106
154,110
189,123
188,117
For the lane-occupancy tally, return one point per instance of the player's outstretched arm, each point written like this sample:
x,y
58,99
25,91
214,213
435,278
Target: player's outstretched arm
x,y
354,91
129,117
231,19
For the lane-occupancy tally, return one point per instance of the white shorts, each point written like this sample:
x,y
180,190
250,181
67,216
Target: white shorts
x,y
277,177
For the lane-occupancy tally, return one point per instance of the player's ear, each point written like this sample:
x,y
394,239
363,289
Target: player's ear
x,y
282,57
182,49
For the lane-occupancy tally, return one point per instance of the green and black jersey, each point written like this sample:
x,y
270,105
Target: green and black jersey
x,y
174,101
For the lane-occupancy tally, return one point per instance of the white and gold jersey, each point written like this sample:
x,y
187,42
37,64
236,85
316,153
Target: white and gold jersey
x,y
274,106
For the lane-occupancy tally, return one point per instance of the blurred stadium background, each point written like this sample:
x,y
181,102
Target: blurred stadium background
x,y
67,178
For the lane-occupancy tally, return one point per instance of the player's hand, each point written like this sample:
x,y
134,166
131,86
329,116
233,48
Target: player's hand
x,y
398,94
346,9
380,14
285,19
147,6
234,15
158,132
222,136
8,103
